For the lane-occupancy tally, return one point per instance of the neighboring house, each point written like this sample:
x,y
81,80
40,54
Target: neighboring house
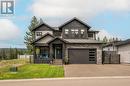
x,y
122,48
74,40
111,46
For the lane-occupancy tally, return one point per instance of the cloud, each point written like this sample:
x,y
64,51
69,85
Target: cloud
x,y
8,30
78,8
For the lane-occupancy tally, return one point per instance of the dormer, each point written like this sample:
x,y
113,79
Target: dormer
x,y
74,29
42,29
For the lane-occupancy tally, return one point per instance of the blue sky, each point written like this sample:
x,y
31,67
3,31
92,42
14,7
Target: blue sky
x,y
111,17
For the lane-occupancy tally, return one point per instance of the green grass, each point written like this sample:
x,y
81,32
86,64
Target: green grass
x,y
32,71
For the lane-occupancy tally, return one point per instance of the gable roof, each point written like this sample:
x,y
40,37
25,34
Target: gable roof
x,y
73,20
43,37
58,39
40,25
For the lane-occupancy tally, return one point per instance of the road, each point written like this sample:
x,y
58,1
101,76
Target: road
x,y
88,81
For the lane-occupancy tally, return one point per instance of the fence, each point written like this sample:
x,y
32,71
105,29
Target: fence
x,y
111,57
27,57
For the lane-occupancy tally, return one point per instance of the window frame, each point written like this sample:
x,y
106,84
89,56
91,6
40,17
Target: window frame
x,y
92,35
66,31
38,33
82,31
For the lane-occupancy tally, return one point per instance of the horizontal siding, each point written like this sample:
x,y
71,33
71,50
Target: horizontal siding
x,y
124,52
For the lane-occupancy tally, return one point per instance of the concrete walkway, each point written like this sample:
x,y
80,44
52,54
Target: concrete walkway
x,y
94,70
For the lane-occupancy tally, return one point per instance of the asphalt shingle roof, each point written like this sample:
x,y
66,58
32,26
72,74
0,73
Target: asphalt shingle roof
x,y
82,41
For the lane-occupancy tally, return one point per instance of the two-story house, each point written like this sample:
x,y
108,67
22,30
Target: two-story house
x,y
74,40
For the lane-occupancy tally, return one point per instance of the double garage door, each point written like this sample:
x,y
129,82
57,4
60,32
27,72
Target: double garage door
x,y
82,56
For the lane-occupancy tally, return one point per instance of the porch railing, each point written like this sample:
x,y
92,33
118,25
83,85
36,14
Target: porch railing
x,y
42,59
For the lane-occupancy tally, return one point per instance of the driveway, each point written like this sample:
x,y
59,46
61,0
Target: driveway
x,y
93,70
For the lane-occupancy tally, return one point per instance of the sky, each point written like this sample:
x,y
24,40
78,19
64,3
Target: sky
x,y
110,17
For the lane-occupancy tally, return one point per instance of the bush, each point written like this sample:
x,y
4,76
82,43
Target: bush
x,y
66,60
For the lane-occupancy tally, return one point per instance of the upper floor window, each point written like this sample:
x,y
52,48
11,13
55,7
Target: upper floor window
x,y
82,31
90,35
74,31
66,31
39,33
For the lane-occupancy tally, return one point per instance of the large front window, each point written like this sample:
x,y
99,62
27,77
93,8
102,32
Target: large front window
x,y
44,52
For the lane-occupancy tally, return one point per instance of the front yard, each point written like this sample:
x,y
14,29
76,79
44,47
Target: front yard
x,y
27,71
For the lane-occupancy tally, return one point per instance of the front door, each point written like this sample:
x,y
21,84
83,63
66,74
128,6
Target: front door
x,y
58,51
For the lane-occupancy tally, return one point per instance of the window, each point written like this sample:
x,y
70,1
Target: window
x,y
39,33
72,31
90,35
82,31
92,54
76,31
66,31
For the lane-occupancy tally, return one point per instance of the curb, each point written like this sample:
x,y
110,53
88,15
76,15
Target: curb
x,y
67,78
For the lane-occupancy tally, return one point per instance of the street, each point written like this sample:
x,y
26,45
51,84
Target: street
x,y
81,81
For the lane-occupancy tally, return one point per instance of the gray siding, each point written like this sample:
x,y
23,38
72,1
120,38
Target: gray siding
x,y
74,25
44,29
124,52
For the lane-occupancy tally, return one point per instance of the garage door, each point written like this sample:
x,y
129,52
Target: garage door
x,y
82,56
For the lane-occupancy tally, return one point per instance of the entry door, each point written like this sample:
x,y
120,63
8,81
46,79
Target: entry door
x,y
58,52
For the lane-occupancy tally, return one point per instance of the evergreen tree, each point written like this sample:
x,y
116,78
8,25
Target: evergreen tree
x,y
105,40
113,39
41,21
117,39
29,37
98,39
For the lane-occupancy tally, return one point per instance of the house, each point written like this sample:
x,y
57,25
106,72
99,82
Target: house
x,y
110,55
111,46
73,41
122,48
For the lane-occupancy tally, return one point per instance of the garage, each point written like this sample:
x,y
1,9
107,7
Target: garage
x,y
82,56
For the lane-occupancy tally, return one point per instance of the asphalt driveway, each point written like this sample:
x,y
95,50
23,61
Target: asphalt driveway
x,y
94,70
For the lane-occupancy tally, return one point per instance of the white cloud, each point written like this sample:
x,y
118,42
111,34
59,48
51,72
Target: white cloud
x,y
78,8
8,30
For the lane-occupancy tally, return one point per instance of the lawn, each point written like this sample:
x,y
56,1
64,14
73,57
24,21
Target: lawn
x,y
32,71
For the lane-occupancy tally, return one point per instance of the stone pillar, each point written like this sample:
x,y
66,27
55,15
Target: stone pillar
x,y
99,56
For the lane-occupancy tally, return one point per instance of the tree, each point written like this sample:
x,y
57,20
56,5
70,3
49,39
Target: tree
x,y
105,40
110,40
40,21
98,39
29,37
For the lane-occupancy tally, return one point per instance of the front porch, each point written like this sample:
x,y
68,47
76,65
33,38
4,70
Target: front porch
x,y
48,54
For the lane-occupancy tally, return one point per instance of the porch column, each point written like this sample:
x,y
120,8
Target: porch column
x,y
51,51
34,54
